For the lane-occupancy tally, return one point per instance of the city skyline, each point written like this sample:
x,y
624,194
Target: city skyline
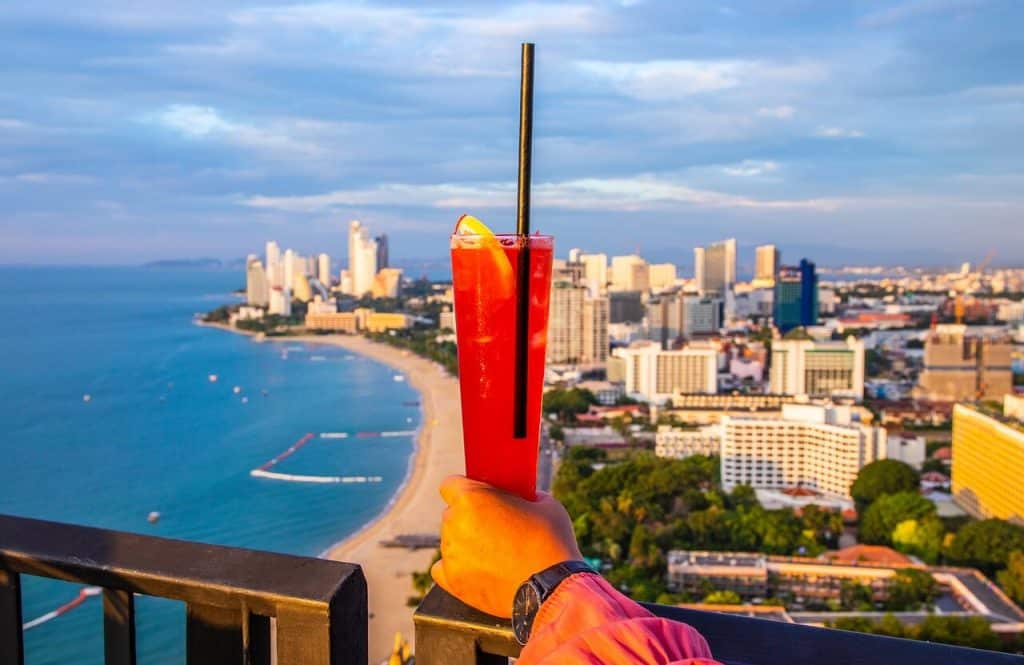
x,y
848,134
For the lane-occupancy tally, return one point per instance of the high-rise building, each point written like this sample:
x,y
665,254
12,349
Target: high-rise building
x,y
818,369
289,266
766,265
387,283
256,287
656,374
665,318
382,251
323,269
595,272
959,366
565,323
626,306
796,296
362,258
815,447
629,273
662,275
595,330
715,267
988,463
280,301
702,315
303,291
274,270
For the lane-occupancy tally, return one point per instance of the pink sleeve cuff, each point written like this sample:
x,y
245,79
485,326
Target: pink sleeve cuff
x,y
586,621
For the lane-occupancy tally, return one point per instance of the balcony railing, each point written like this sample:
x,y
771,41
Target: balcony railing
x,y
242,604
449,632
239,603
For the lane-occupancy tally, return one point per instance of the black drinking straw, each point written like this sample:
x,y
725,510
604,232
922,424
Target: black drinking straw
x,y
523,233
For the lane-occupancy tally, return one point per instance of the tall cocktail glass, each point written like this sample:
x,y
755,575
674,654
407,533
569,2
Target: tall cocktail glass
x,y
485,271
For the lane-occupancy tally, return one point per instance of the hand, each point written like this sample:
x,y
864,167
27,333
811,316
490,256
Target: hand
x,y
492,541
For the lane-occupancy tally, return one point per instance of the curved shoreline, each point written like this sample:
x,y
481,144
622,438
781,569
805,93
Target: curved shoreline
x,y
416,506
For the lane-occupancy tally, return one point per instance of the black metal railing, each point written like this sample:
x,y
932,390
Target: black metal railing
x,y
449,632
238,602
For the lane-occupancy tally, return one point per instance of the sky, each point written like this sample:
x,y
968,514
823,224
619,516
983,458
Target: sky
x,y
848,132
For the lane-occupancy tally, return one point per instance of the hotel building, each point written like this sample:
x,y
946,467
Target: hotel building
x,y
988,464
818,369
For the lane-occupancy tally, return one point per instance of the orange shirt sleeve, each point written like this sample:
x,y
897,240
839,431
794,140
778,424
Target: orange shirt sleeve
x,y
587,622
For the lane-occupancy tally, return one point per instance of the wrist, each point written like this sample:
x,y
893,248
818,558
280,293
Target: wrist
x,y
532,594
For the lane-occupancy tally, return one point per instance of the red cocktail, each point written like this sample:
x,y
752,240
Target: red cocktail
x,y
485,270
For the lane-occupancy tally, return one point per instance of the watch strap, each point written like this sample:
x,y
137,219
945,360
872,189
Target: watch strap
x,y
548,579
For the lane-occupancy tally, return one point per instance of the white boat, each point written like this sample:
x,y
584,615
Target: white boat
x,y
86,397
399,378
237,389
213,378
153,517
245,400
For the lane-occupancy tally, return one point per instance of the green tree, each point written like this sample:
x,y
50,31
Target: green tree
x,y
723,598
910,590
963,631
881,478
922,538
854,596
879,521
567,403
1012,579
986,545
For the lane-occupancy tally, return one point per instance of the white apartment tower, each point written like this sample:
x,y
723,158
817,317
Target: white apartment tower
x,y
565,324
656,374
362,258
816,447
818,369
595,273
256,286
323,269
595,330
274,271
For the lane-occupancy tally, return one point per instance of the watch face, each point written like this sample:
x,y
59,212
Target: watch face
x,y
527,602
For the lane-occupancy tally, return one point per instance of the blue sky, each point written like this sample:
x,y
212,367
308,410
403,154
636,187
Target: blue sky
x,y
857,131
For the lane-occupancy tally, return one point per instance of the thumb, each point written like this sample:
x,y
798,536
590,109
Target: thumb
x,y
437,572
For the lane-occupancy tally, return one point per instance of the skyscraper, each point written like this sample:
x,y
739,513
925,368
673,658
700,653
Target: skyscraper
x,y
630,273
290,264
362,258
256,287
715,267
595,271
275,275
382,251
959,366
595,330
766,265
323,269
565,323
796,296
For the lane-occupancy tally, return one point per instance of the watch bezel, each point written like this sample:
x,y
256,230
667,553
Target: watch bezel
x,y
522,620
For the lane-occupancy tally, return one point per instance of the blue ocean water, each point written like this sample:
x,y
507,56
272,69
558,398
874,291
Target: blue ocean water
x,y
157,435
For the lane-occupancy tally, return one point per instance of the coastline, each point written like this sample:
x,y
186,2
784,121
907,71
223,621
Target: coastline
x,y
416,506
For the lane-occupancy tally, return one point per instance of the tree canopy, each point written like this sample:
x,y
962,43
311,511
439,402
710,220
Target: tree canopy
x,y
1012,579
880,520
986,545
881,478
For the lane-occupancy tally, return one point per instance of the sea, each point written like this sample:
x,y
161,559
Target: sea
x,y
110,414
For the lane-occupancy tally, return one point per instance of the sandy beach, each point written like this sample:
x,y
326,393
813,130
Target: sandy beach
x,y
417,507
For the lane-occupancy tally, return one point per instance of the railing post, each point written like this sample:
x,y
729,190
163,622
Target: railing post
x,y
213,635
438,645
118,627
449,632
12,648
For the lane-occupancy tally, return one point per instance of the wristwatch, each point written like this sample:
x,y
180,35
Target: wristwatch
x,y
533,592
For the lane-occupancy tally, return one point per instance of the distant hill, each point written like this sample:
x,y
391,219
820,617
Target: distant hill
x,y
186,264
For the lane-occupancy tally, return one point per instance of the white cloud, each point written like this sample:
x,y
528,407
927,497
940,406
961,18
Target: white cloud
x,y
641,192
206,123
917,9
48,178
751,167
13,124
672,79
838,133
781,112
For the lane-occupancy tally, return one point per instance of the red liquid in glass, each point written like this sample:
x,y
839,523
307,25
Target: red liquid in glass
x,y
485,274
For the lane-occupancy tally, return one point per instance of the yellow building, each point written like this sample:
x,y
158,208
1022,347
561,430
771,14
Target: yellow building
x,y
988,464
338,321
387,283
372,321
